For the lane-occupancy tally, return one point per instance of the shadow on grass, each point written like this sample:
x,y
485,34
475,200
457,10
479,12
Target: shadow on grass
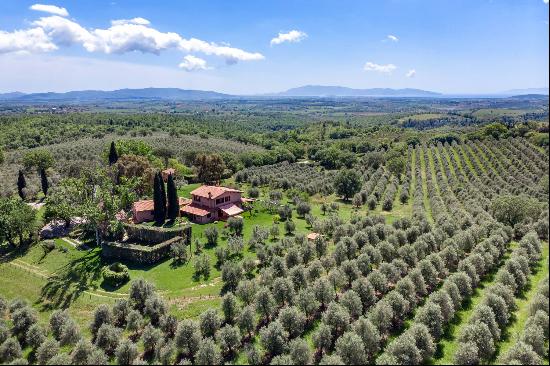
x,y
8,253
71,280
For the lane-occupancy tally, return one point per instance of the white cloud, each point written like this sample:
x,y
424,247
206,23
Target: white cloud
x,y
192,63
293,36
371,66
123,36
138,20
545,1
230,54
411,73
393,38
52,9
26,41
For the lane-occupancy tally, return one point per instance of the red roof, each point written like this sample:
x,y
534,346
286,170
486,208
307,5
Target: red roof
x,y
212,191
313,236
145,205
149,205
194,210
231,209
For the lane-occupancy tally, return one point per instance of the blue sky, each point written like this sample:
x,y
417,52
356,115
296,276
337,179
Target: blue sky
x,y
246,47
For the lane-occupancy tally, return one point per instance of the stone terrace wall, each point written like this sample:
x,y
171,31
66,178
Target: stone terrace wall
x,y
150,235
135,253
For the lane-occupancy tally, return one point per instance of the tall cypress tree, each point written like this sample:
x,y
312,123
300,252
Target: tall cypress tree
x,y
113,155
157,202
21,185
173,200
44,181
163,196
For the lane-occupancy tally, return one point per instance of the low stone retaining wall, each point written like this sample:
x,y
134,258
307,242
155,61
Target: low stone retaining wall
x,y
136,253
150,235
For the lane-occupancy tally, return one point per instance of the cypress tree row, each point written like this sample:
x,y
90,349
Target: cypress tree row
x,y
173,200
21,185
113,155
159,202
163,196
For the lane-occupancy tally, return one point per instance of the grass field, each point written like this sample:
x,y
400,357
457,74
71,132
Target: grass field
x,y
68,277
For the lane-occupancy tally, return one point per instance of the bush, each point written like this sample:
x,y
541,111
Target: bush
x,y
126,352
10,350
467,354
47,350
116,274
107,338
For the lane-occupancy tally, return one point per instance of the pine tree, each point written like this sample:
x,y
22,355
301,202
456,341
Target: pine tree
x,y
173,200
113,155
44,181
158,211
21,184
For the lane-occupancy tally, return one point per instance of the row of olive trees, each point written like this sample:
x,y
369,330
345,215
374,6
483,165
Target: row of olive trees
x,y
530,347
478,339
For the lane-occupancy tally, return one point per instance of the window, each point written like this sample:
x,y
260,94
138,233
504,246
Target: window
x,y
219,200
196,198
209,215
227,198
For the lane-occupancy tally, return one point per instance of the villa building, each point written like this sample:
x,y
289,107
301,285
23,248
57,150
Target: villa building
x,y
211,203
207,204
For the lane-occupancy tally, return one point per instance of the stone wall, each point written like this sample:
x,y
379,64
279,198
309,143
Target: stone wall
x,y
150,235
142,254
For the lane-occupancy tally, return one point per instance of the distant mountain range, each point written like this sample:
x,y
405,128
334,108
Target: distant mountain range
x,y
120,94
341,91
527,91
174,94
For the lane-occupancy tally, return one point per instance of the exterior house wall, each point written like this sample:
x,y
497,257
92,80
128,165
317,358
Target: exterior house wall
x,y
142,216
234,197
214,204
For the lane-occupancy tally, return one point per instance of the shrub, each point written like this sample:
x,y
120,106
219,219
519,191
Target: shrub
x,y
351,350
273,338
35,336
47,350
466,354
107,338
126,352
179,253
10,350
116,274
208,353
211,234
480,335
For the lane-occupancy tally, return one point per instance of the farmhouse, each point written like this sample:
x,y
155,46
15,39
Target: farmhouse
x,y
142,211
210,203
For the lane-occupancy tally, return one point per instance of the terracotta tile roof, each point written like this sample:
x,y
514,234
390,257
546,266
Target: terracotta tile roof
x,y
144,205
212,191
149,205
195,210
184,201
231,209
313,236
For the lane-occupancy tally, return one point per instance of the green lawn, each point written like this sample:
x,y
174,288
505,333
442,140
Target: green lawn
x,y
69,277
